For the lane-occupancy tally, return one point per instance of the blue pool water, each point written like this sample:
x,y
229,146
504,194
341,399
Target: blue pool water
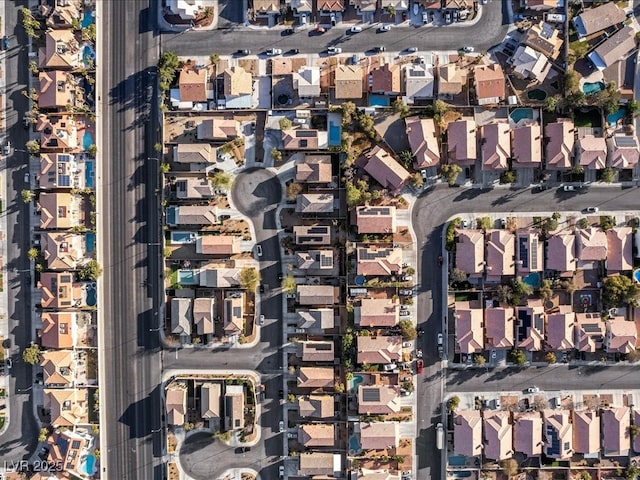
x,y
89,465
92,295
183,237
187,277
613,119
457,460
636,276
591,88
87,140
379,101
532,279
354,443
521,113
90,242
335,134
88,173
87,20
88,55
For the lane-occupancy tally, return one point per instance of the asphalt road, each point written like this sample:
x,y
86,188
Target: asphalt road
x,y
128,222
19,440
486,33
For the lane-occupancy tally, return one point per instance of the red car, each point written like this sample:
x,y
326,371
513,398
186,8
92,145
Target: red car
x,y
419,366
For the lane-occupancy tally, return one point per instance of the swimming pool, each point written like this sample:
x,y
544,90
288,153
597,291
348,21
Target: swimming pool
x,y
521,113
613,119
88,174
591,88
379,101
335,134
87,140
90,241
90,465
87,20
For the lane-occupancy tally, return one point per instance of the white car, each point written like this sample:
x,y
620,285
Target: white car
x,y
272,52
355,29
468,49
334,50
385,28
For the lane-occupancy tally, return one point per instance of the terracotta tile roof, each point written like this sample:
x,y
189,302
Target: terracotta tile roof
x,y
467,433
560,328
559,434
317,435
619,249
316,406
624,151
57,329
318,351
316,377
498,436
376,219
386,79
592,152
593,20
378,399
615,431
193,84
589,332
377,312
470,251
621,336
379,163
527,146
68,406
314,169
461,138
586,431
375,260
489,83
348,81
379,435
527,433
561,250
501,250
499,328
469,328
496,145
559,150
379,350
421,134
592,244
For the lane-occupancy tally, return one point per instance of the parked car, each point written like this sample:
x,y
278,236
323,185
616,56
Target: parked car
x,y
419,366
355,29
334,50
591,209
272,52
384,28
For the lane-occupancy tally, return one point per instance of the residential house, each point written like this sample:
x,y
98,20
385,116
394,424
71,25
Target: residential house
x,y
499,326
470,252
60,210
317,294
316,406
59,291
61,13
498,436
621,336
560,142
379,163
386,79
543,4
330,6
559,328
181,316
375,219
237,88
199,156
451,80
67,407
561,249
319,464
527,434
423,140
592,152
302,6
264,8
530,64
314,169
529,251
194,86
316,377
63,250
500,255
203,315
379,435
461,140
303,139
614,48
181,215
233,316
373,260
69,448
469,327
530,326
234,406
317,435
312,235
543,37
619,250
623,151
592,244
315,203
316,320
526,141
593,20
377,312
379,349
318,351
210,395
307,81
226,245
586,432
64,170
418,82
61,51
489,84
58,368
193,187
348,82
218,129
57,89
58,329
58,132
219,277
378,399
496,145
558,434
589,332
320,262
616,439
467,433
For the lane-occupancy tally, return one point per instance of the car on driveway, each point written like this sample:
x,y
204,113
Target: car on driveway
x,y
272,52
384,28
355,29
334,50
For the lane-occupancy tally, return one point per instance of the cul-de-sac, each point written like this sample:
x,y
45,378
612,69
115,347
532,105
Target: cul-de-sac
x,y
319,239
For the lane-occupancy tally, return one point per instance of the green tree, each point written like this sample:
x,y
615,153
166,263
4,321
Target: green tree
x,y
276,154
285,123
91,271
407,330
33,147
550,357
608,175
222,180
289,284
485,223
416,180
450,173
249,278
27,196
453,403
31,354
618,289
518,357
33,253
